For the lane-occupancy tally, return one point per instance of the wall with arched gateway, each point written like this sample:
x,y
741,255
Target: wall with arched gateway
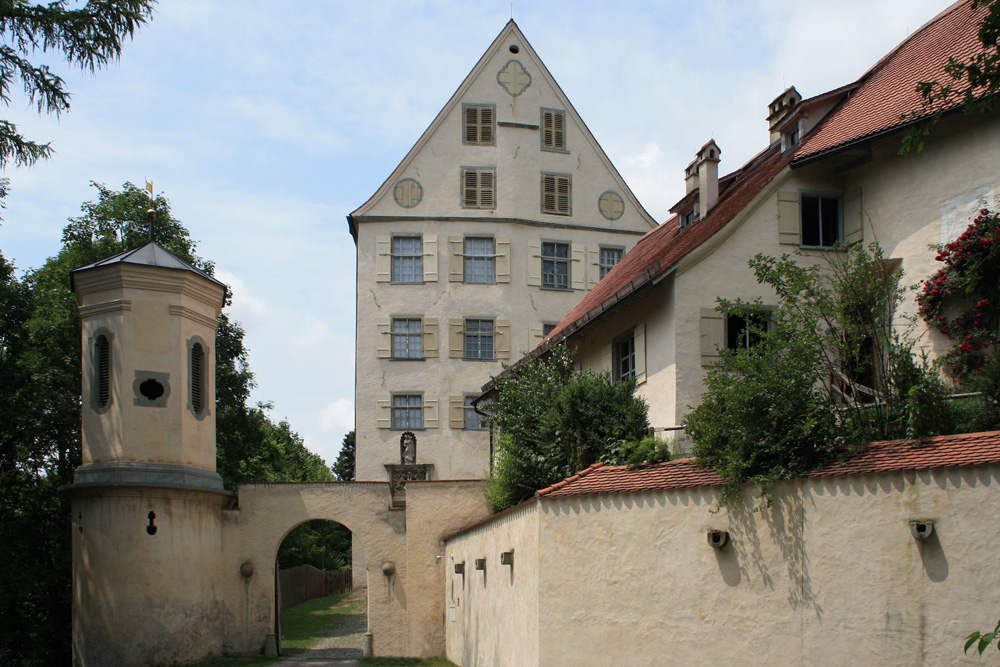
x,y
405,614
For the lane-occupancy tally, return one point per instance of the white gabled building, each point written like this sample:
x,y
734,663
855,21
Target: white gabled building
x,y
504,215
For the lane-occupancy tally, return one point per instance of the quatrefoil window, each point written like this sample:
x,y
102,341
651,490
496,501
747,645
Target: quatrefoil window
x,y
514,78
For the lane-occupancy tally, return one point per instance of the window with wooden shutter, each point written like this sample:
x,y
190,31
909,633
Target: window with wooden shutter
x,y
102,372
553,130
478,188
713,335
480,124
198,379
557,194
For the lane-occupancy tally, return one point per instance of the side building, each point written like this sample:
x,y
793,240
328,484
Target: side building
x,y
502,216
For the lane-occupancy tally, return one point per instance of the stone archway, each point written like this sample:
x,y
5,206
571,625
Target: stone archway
x,y
268,512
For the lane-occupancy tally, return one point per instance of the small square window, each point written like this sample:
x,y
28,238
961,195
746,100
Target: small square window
x,y
407,259
555,265
820,221
407,339
547,329
553,130
624,357
480,124
479,188
609,257
743,331
473,420
407,411
557,194
480,260
479,339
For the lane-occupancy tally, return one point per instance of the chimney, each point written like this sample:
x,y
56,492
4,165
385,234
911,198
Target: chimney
x,y
691,177
708,176
779,108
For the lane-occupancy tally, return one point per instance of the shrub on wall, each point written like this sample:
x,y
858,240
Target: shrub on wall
x,y
553,420
826,374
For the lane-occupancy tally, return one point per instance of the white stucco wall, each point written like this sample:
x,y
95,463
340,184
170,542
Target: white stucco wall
x,y
829,574
493,615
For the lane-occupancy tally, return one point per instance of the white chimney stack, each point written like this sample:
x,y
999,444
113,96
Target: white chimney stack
x,y
708,176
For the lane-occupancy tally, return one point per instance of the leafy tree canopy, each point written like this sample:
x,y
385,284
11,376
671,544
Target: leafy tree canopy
x,y
553,420
88,37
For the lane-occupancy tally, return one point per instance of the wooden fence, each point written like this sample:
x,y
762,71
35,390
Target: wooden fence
x,y
305,582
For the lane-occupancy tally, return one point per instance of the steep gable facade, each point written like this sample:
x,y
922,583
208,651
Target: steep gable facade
x,y
501,217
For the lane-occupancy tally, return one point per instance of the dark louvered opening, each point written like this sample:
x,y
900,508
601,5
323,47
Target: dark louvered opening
x,y
103,351
197,378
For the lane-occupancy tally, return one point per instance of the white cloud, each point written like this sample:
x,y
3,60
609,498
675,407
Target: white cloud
x,y
246,308
337,417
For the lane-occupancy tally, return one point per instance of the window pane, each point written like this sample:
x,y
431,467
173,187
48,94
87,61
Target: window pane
x,y
609,258
810,221
479,339
407,412
830,214
624,354
473,420
555,265
407,339
480,265
407,262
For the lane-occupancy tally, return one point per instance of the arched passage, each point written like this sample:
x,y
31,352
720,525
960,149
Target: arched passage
x,y
268,512
313,580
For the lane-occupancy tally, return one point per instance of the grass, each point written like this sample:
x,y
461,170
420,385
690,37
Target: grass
x,y
406,662
304,624
301,627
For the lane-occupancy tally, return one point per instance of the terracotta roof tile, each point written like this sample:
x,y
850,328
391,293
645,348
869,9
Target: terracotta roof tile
x,y
886,94
891,456
661,248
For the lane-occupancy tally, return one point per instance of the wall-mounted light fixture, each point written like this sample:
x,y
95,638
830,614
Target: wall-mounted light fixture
x,y
481,564
718,538
921,529
460,568
507,557
246,569
388,568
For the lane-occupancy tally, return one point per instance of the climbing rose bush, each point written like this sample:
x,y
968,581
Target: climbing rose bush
x,y
968,284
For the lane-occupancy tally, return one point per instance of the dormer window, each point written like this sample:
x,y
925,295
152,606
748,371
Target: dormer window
x,y
690,217
790,138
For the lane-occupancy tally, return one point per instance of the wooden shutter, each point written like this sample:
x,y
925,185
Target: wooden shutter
x,y
577,267
430,327
502,260
383,410
456,411
853,217
383,342
534,263
430,258
456,340
553,129
502,343
593,266
456,263
548,193
788,217
713,335
430,412
563,195
485,125
639,344
537,331
487,187
383,259
471,125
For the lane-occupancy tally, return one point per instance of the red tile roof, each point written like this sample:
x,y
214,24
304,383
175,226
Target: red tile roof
x,y
946,451
663,247
887,94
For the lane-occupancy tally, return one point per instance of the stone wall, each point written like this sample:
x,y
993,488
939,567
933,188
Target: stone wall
x,y
828,574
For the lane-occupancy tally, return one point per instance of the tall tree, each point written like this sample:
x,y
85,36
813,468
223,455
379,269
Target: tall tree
x,y
88,38
40,379
343,467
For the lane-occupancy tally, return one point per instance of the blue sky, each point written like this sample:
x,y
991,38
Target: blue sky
x,y
266,123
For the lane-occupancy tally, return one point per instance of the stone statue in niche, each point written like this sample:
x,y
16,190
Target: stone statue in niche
x,y
408,448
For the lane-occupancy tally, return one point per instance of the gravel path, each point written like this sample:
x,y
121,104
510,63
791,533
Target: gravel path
x,y
341,649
